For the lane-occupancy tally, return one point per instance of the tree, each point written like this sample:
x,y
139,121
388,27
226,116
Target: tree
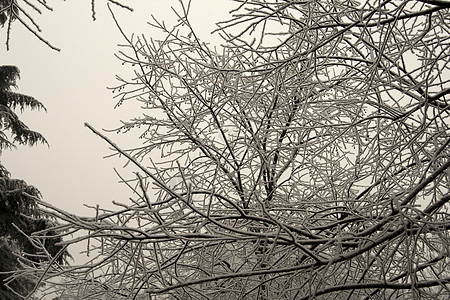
x,y
306,158
19,216
9,121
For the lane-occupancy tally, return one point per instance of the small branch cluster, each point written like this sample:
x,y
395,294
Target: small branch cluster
x,y
24,12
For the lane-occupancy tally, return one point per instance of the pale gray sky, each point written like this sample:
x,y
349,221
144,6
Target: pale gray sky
x,y
72,85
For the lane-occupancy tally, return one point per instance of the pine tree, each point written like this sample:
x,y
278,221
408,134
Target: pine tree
x,y
9,120
19,215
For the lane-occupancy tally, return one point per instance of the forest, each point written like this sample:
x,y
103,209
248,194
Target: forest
x,y
306,157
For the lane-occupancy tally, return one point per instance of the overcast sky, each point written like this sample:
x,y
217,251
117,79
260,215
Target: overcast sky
x,y
72,84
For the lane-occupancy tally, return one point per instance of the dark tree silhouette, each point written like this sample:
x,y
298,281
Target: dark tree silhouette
x,y
9,121
19,216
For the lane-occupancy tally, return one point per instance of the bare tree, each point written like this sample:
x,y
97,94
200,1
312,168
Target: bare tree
x,y
306,158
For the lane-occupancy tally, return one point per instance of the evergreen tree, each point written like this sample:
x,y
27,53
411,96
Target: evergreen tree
x,y
19,216
9,120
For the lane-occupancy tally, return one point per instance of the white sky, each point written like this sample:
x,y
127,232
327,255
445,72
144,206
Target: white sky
x,y
72,85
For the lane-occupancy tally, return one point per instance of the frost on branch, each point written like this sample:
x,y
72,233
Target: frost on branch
x,y
307,157
25,13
